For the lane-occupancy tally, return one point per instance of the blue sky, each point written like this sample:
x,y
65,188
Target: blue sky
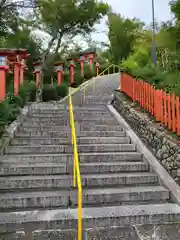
x,y
136,8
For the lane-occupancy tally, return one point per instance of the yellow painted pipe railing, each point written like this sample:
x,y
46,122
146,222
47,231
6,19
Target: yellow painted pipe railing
x,y
76,168
114,67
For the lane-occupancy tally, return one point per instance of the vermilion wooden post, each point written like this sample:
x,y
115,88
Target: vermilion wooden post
x,y
71,72
161,106
169,111
3,84
146,97
59,77
16,78
38,75
173,113
149,90
156,104
91,63
178,115
82,68
165,109
3,69
59,69
21,75
97,70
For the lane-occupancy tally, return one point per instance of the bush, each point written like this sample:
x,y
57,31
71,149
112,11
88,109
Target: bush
x,y
49,93
62,90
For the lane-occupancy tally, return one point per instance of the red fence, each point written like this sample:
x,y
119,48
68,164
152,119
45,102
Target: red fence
x,y
164,106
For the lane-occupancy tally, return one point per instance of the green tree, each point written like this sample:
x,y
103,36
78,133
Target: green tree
x,y
67,18
122,34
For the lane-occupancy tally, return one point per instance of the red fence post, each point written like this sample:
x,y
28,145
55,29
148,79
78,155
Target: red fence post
x,y
169,111
165,110
173,113
178,115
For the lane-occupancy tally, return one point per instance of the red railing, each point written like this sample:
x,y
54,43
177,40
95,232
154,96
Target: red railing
x,y
164,106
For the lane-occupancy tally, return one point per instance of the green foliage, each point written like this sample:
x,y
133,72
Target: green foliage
x,y
122,34
62,90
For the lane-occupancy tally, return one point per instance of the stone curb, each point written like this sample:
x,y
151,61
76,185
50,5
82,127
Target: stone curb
x,y
164,176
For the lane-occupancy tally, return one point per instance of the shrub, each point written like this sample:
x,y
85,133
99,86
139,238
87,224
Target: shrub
x,y
49,93
62,90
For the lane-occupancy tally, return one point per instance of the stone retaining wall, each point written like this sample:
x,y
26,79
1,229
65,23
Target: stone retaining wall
x,y
166,151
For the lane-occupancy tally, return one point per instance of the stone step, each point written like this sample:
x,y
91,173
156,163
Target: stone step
x,y
77,116
117,179
107,167
66,181
44,134
63,168
37,199
55,141
69,148
93,108
101,128
51,234
39,149
84,107
46,128
65,158
107,148
54,134
35,182
32,122
85,112
93,217
90,127
34,169
121,195
90,197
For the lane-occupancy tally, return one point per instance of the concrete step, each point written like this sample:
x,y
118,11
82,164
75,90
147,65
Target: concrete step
x,y
37,199
101,128
90,197
32,122
50,234
63,168
55,141
106,148
108,167
93,217
118,179
69,148
66,181
98,133
68,158
93,108
77,116
46,128
83,107
34,169
65,114
50,134
39,149
35,182
122,195
51,128
62,134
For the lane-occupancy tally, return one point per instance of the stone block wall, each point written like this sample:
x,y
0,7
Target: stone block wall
x,y
166,150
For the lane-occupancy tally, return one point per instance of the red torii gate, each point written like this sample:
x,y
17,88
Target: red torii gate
x,y
10,58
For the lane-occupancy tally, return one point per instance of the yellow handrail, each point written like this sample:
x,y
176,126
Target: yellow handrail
x,y
76,168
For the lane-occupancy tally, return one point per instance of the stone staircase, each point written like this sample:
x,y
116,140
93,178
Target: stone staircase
x,y
120,190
